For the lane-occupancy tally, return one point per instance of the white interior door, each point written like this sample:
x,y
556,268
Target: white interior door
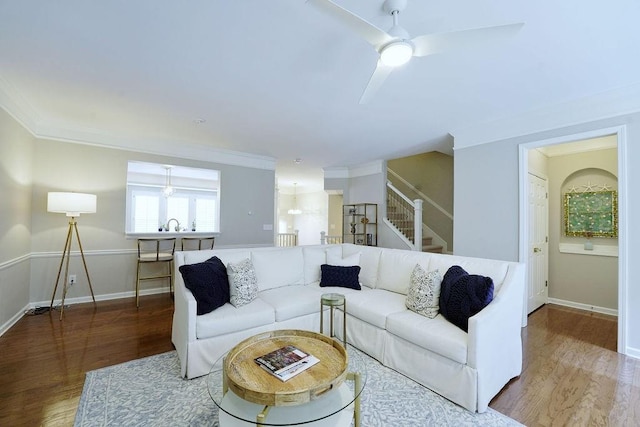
x,y
538,243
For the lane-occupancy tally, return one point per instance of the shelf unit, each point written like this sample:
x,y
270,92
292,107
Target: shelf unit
x,y
360,224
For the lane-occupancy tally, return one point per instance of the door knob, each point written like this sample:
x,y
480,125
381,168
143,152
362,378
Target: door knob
x,y
536,250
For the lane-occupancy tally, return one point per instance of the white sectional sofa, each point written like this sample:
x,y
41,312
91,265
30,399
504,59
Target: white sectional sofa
x,y
467,368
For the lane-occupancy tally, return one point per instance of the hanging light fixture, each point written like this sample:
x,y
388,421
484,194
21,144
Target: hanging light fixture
x,y
295,210
168,189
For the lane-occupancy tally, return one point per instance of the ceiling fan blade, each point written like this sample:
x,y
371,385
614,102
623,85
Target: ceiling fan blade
x,y
378,77
429,44
374,35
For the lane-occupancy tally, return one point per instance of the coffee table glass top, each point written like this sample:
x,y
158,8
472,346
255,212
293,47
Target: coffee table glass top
x,y
322,391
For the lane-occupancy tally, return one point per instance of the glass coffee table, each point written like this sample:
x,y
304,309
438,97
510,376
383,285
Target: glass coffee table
x,y
326,394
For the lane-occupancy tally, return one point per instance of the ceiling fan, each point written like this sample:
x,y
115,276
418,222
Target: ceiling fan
x,y
396,47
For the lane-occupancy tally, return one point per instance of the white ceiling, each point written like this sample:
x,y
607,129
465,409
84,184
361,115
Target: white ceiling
x,y
280,79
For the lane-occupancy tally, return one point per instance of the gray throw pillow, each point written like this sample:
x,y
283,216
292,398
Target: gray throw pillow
x,y
243,284
423,296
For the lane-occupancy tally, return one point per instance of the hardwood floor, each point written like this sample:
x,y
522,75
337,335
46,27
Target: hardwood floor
x,y
44,360
571,376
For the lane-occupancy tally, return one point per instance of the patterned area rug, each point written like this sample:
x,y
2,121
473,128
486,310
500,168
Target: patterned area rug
x,y
150,392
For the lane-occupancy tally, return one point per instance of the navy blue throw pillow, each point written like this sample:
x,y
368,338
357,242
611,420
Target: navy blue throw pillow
x,y
344,277
463,295
208,282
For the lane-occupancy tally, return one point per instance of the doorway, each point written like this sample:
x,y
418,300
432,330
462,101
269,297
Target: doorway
x,y
526,245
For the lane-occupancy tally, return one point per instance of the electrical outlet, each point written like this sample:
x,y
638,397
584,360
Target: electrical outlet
x,y
72,279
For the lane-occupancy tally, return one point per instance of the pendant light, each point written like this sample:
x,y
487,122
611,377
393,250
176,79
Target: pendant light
x,y
168,189
295,210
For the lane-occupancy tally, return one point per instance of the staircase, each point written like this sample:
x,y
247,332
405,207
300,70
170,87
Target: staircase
x,y
400,215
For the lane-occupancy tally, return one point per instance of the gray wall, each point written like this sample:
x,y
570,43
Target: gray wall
x,y
486,203
16,148
33,167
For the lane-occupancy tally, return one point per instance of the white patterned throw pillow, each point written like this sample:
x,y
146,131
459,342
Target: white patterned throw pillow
x,y
243,285
423,296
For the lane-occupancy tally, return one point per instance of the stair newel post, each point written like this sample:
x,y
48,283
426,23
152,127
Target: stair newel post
x,y
417,225
323,237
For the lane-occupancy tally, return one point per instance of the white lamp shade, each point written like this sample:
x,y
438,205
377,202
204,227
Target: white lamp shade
x,y
72,204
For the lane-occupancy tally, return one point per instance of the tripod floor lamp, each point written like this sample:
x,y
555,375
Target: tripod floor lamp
x,y
71,204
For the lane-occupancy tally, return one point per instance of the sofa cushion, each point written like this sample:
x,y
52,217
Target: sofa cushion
x,y
228,319
396,267
348,261
369,262
374,305
423,296
281,267
437,334
343,277
463,295
208,282
292,301
314,257
243,285
225,255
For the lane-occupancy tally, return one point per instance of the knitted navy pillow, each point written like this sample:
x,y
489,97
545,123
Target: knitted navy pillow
x,y
208,282
344,277
463,295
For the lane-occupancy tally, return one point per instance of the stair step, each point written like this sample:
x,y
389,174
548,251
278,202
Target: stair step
x,y
426,241
432,248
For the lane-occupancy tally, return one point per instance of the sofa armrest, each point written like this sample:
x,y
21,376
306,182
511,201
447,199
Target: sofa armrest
x,y
183,330
494,340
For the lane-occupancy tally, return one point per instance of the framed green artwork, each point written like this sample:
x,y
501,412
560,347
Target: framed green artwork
x,y
591,214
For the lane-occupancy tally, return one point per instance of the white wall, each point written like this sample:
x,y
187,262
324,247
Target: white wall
x,y
313,219
32,239
16,150
486,203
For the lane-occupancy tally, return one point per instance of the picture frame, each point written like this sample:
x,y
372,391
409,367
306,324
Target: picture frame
x,y
591,214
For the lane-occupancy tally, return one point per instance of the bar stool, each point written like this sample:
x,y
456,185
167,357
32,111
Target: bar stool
x,y
333,300
197,243
155,251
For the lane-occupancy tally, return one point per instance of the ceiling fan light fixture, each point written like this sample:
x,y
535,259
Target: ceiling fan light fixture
x,y
396,53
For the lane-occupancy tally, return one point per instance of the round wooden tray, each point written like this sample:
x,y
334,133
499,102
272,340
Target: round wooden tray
x,y
250,382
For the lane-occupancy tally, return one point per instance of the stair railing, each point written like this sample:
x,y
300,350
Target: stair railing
x,y
326,239
288,239
405,210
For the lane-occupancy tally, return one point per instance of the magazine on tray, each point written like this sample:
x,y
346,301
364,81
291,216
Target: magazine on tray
x,y
286,362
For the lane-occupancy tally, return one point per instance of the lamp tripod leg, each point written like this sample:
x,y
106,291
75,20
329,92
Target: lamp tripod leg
x,y
84,262
66,272
67,244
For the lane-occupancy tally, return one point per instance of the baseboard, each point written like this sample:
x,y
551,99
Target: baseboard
x,y
9,323
633,352
105,297
587,307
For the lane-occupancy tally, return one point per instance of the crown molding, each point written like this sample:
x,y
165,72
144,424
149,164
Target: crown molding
x,y
600,106
371,168
596,144
367,169
18,108
336,173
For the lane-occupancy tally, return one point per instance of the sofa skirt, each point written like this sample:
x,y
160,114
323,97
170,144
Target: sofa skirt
x,y
450,379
